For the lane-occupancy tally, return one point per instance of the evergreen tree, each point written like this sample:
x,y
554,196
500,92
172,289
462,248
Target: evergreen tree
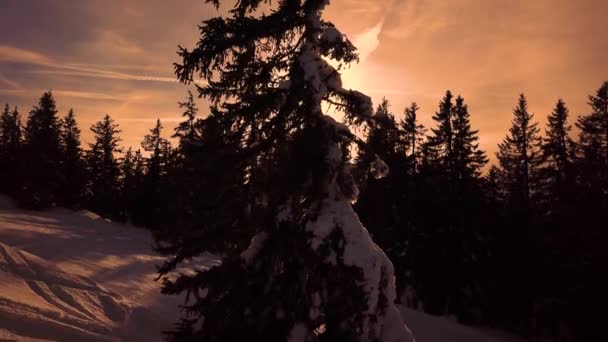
x,y
383,143
104,167
558,169
42,155
520,158
468,158
187,131
593,151
585,240
154,195
448,200
73,166
10,148
413,136
132,174
311,272
382,203
441,139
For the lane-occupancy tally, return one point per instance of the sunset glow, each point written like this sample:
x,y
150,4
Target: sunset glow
x,y
116,57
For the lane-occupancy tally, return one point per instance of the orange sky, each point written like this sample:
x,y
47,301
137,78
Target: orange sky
x,y
116,56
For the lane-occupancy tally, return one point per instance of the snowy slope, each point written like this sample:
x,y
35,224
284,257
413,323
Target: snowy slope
x,y
72,276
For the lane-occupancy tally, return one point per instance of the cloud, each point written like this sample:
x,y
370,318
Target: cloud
x,y
9,82
90,95
96,73
367,42
21,56
17,55
66,93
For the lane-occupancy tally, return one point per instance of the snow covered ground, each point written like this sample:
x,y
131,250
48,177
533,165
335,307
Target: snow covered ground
x,y
72,276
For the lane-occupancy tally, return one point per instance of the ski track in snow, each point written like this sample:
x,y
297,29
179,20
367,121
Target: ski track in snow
x,y
73,276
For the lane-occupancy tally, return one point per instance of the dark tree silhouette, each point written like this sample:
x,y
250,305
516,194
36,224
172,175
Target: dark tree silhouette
x,y
103,167
558,172
441,139
73,168
593,150
382,204
10,150
311,269
520,158
188,130
413,136
468,158
154,194
131,178
42,155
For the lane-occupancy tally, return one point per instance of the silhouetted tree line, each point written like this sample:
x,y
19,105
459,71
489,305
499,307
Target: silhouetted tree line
x,y
44,165
520,246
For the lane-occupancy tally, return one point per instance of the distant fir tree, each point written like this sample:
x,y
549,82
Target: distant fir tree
x,y
191,168
468,158
382,203
448,201
311,272
441,139
73,168
10,150
131,179
383,143
593,151
188,130
42,155
103,167
413,136
586,244
155,187
520,158
558,171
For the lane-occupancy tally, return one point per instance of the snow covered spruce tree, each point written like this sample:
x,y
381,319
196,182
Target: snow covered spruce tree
x,y
307,269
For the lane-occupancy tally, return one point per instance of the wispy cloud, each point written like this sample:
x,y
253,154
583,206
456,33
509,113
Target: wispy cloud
x,y
65,93
80,72
368,41
21,56
9,82
13,54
